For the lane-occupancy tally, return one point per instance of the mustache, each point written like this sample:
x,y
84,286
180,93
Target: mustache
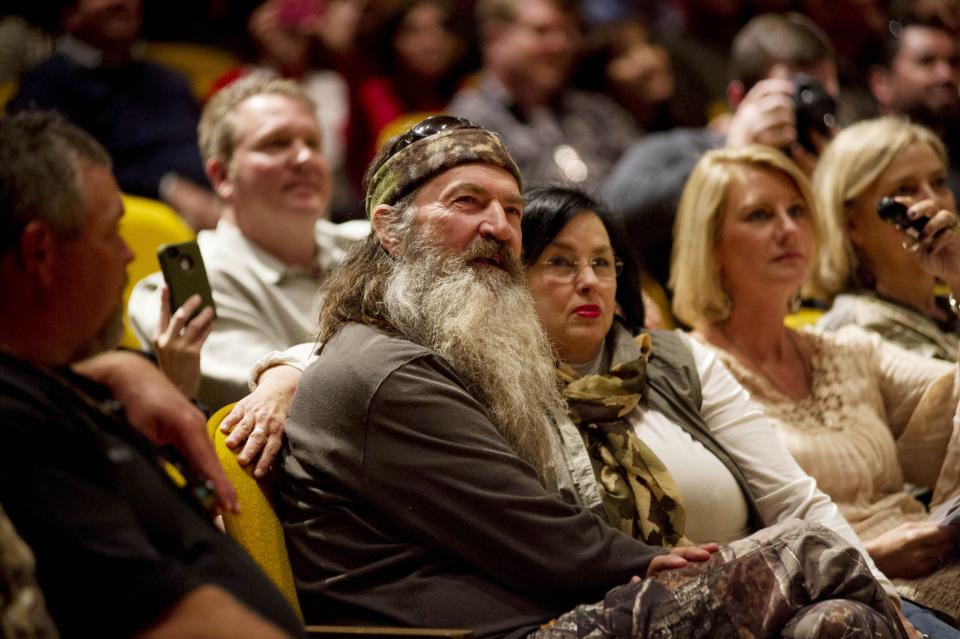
x,y
495,252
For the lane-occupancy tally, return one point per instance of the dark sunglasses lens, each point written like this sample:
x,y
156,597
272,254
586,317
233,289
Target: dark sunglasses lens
x,y
438,123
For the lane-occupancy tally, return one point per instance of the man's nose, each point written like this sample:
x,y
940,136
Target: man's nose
x,y
304,152
495,223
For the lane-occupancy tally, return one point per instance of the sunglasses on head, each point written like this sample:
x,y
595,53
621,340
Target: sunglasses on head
x,y
431,126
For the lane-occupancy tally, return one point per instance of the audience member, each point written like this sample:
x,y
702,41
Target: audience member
x,y
262,145
120,549
415,68
433,475
878,284
141,112
858,414
767,53
621,60
697,35
917,74
286,41
554,132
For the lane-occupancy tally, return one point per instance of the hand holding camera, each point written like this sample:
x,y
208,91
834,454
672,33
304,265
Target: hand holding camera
x,y
796,115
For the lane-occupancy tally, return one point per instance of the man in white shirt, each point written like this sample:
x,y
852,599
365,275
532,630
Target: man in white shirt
x,y
261,145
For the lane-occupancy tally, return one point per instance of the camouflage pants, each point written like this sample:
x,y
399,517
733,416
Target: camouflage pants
x,y
793,580
23,613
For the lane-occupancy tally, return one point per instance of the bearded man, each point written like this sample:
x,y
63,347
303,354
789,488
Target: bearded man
x,y
417,485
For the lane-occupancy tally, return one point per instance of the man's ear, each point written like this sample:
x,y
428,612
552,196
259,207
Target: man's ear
x,y
38,253
491,33
218,172
383,229
878,80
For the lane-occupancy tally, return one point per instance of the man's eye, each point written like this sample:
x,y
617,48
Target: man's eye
x,y
274,144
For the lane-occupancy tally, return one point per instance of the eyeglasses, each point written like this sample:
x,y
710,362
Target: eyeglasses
x,y
562,269
431,126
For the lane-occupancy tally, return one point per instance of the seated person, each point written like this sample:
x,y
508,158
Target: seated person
x,y
524,92
710,467
262,145
119,547
429,495
858,414
878,284
143,113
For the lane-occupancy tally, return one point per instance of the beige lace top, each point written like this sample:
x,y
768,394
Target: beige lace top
x,y
876,416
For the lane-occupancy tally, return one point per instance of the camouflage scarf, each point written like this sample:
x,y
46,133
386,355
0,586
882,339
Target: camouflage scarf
x,y
638,493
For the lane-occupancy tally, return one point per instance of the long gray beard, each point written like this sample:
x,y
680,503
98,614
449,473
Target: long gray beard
x,y
483,322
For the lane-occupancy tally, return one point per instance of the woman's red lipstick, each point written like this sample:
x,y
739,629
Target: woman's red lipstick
x,y
587,310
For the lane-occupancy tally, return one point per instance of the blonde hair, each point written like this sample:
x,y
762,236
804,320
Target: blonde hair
x,y
699,296
217,129
848,167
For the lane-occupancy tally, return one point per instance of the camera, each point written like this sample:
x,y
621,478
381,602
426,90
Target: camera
x,y
815,111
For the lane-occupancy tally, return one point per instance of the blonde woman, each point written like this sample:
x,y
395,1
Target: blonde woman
x,y
879,285
857,413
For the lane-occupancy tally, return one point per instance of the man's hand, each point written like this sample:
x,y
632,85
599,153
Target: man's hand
x,y
680,557
766,116
161,412
914,549
178,340
256,422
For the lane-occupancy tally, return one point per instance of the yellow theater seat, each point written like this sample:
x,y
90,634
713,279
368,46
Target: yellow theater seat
x,y
804,317
201,64
146,224
7,90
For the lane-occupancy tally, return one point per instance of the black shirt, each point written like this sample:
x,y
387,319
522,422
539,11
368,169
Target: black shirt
x,y
116,543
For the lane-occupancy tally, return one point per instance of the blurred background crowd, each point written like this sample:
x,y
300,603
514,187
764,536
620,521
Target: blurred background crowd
x,y
375,66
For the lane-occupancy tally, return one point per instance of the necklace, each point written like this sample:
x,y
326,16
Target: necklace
x,y
763,369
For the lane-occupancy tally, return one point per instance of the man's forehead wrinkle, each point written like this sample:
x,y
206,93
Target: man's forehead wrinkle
x,y
472,186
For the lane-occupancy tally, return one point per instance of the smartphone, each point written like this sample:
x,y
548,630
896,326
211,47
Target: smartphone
x,y
895,213
185,275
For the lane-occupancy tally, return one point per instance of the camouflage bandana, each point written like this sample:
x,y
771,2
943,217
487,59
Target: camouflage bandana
x,y
639,495
425,158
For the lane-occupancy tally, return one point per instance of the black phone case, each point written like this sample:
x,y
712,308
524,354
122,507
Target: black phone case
x,y
895,213
185,275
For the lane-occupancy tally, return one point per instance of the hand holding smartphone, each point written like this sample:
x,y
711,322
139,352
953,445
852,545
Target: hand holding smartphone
x,y
183,271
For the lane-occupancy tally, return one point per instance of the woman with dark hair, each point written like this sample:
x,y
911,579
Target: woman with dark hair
x,y
416,67
550,208
678,451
